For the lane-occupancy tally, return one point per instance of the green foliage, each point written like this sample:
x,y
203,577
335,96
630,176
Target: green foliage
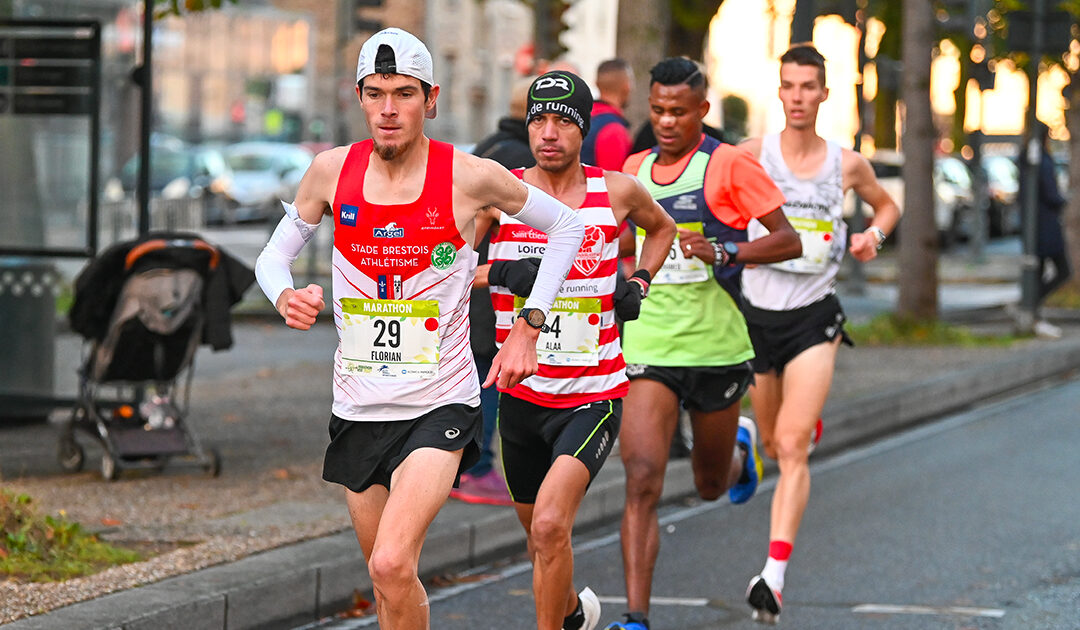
x,y
1066,297
50,548
889,329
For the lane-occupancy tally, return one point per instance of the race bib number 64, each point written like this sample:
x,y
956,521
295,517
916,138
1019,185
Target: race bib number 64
x,y
390,338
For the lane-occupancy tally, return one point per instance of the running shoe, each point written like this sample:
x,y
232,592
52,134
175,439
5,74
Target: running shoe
x,y
815,437
752,466
590,605
764,600
487,489
630,622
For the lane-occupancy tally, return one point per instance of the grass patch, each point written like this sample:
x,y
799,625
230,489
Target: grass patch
x,y
1066,297
889,329
44,549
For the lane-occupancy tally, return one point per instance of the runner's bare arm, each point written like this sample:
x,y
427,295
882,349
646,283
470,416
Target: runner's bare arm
x,y
633,201
273,269
753,145
859,175
487,219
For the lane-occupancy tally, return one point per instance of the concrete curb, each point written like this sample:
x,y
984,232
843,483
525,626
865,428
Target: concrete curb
x,y
292,585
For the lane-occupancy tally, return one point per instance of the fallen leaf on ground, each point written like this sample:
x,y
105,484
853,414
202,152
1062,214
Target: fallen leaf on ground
x,y
111,522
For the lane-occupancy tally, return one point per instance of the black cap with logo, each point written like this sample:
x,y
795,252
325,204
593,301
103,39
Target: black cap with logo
x,y
563,93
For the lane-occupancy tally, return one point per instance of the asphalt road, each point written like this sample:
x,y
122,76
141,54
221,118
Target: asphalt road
x,y
967,523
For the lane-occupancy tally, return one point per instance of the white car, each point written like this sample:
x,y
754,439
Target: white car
x,y
954,198
263,174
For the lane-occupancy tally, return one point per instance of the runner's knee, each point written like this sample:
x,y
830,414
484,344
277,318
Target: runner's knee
x,y
391,569
549,533
644,478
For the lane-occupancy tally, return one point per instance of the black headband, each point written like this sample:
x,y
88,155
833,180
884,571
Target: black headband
x,y
562,93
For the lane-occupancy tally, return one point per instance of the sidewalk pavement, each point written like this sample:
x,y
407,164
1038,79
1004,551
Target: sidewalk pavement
x,y
270,494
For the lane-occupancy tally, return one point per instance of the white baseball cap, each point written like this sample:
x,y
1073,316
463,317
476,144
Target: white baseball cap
x,y
406,55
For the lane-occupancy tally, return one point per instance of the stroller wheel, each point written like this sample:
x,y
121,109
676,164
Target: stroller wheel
x,y
213,466
70,455
109,469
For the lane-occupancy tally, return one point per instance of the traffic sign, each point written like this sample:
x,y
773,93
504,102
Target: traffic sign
x,y
53,76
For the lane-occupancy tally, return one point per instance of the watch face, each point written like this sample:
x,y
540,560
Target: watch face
x,y
731,248
535,317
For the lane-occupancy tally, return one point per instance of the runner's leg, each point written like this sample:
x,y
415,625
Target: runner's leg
x,y
419,487
716,468
765,399
805,386
650,413
549,524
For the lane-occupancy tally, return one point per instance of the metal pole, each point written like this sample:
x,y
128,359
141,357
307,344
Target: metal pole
x,y
1029,279
142,191
981,199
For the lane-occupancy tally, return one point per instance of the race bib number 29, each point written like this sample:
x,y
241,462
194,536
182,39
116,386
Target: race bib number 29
x,y
390,338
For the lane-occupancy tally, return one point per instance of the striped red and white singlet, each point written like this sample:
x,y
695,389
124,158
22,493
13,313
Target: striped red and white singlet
x,y
581,372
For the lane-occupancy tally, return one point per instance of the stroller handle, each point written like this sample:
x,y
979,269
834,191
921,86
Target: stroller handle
x,y
152,245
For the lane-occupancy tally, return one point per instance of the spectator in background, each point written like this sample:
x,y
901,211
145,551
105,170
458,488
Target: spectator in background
x,y
608,143
1050,244
508,146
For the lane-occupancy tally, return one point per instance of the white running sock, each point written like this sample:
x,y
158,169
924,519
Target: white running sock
x,y
774,573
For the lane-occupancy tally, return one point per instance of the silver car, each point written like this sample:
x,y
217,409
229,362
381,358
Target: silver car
x,y
263,174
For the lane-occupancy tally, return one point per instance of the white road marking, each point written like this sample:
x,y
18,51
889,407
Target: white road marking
x,y
662,601
891,609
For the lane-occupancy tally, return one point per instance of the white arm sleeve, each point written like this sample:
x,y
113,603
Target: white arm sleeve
x,y
273,268
565,231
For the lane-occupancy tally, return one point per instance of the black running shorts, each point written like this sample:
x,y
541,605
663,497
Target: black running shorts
x,y
363,454
699,388
780,336
531,437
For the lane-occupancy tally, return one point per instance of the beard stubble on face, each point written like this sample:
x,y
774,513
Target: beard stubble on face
x,y
387,152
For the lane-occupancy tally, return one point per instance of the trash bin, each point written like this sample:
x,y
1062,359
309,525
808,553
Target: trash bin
x,y
27,336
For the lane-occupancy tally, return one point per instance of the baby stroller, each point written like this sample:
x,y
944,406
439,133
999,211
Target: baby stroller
x,y
143,308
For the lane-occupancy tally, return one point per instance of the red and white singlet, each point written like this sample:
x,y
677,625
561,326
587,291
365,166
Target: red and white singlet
x,y
580,357
401,277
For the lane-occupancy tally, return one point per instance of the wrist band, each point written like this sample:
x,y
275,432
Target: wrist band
x,y
644,279
879,235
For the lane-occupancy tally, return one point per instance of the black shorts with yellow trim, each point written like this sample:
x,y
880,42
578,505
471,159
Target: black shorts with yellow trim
x,y
532,437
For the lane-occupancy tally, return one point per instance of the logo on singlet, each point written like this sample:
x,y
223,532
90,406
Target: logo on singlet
x,y
390,231
592,248
685,202
347,215
432,215
443,255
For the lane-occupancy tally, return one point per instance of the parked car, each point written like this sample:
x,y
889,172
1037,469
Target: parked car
x,y
263,174
178,169
954,197
1003,184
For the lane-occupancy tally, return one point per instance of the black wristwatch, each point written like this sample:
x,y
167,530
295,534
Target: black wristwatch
x,y
726,253
534,317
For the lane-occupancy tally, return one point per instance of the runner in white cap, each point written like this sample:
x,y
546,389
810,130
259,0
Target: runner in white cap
x,y
406,418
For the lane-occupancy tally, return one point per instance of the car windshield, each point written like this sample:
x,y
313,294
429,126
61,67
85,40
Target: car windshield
x,y
1001,169
250,161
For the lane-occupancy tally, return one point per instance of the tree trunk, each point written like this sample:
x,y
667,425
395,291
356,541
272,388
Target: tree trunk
x,y
918,235
1072,208
642,34
888,72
